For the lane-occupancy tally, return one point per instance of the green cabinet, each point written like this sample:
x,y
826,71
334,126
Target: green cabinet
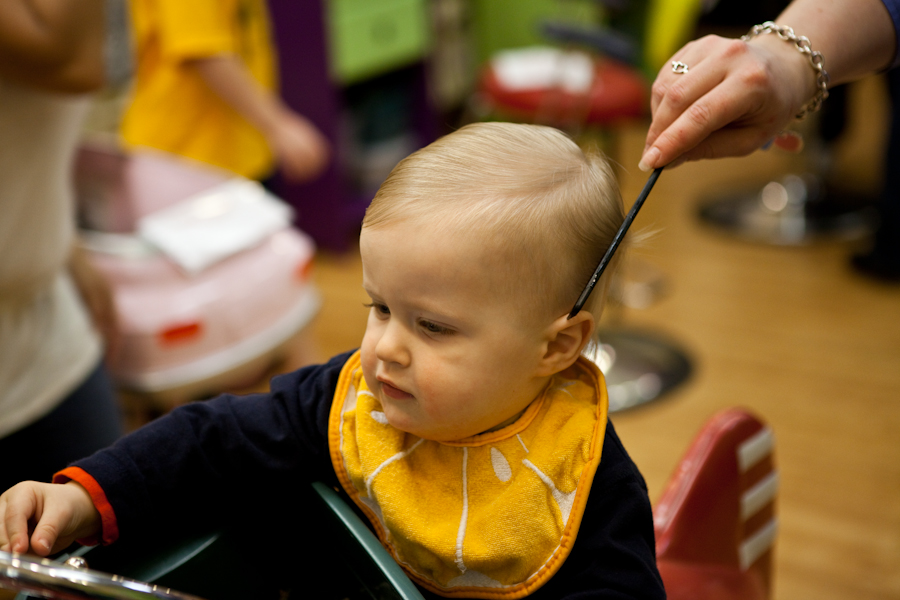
x,y
367,38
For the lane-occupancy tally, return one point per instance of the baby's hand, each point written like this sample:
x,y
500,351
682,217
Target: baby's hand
x,y
54,515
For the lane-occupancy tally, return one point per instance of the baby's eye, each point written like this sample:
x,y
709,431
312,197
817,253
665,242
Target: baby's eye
x,y
380,308
435,328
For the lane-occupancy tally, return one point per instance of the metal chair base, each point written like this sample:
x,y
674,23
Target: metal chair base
x,y
795,211
640,367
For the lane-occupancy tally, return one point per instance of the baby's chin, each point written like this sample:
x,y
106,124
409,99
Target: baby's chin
x,y
399,420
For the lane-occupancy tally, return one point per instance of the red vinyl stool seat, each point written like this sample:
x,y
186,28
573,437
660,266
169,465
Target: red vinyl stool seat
x,y
715,523
618,93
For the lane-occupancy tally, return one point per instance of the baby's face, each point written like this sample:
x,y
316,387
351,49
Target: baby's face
x,y
446,355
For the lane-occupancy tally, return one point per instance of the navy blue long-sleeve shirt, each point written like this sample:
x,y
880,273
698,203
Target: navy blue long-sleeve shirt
x,y
236,457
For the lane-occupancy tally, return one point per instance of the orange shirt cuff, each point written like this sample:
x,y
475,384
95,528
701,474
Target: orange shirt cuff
x,y
110,527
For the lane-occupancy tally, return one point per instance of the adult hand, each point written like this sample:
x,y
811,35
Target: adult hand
x,y
60,514
53,45
302,151
734,98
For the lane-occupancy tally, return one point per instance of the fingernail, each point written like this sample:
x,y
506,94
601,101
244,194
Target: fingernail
x,y
790,141
648,161
44,544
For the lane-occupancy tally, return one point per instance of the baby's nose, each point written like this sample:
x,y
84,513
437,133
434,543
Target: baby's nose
x,y
392,346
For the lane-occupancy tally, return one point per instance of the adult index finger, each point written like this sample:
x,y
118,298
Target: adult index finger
x,y
726,103
728,141
692,72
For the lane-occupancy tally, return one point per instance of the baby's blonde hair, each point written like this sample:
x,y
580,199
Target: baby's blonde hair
x,y
541,207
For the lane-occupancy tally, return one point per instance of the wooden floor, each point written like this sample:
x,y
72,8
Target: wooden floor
x,y
788,332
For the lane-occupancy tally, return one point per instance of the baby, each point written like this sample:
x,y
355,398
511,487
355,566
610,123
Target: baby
x,y
468,429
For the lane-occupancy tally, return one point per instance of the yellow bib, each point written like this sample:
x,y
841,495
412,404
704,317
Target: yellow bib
x,y
491,516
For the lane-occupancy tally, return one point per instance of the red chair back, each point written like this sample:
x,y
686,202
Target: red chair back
x,y
715,523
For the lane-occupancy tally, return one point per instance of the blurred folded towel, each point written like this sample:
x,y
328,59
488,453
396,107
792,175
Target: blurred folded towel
x,y
215,224
543,67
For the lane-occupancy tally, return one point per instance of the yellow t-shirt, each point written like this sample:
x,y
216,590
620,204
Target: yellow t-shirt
x,y
491,516
172,109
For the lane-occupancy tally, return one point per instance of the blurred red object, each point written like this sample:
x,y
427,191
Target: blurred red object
x,y
616,93
715,523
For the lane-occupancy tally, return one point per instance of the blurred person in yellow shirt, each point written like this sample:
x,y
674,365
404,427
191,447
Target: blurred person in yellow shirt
x,y
205,86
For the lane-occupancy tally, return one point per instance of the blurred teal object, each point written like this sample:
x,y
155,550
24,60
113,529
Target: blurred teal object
x,y
506,24
337,556
359,538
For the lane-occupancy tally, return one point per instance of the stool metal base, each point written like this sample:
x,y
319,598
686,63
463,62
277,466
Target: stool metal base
x,y
794,211
639,367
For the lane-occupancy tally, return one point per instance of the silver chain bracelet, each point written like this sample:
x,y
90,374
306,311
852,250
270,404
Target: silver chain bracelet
x,y
815,59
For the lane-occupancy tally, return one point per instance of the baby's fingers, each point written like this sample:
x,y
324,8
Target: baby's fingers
x,y
62,520
46,536
57,514
16,509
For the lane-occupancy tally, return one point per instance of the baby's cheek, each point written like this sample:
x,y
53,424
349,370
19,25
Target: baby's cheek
x,y
443,401
431,385
369,368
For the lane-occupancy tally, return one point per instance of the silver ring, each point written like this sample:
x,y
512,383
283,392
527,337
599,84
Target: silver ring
x,y
679,67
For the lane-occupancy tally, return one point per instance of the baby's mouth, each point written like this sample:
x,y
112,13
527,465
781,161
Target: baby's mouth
x,y
394,392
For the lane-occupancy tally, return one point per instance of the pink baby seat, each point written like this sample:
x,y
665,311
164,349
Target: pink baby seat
x,y
227,296
715,523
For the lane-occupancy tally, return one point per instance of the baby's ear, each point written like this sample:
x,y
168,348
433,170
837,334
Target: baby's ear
x,y
566,338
